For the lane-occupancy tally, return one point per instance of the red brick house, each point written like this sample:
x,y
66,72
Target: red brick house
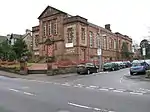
x,y
74,38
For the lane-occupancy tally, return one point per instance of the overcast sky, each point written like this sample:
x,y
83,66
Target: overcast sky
x,y
130,17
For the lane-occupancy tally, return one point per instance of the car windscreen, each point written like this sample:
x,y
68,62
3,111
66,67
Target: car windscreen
x,y
136,64
89,64
107,64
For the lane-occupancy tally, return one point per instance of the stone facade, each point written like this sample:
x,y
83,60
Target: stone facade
x,y
35,41
75,38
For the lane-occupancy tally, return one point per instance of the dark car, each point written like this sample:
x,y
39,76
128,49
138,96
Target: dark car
x,y
127,64
139,67
110,66
87,68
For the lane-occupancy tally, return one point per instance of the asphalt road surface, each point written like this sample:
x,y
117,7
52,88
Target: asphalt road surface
x,y
100,92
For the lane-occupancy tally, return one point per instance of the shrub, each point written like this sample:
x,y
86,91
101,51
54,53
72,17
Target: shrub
x,y
148,73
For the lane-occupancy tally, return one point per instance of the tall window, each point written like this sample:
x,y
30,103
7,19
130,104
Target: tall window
x,y
52,27
91,39
105,42
49,28
55,27
120,44
83,34
70,35
36,40
44,29
110,43
98,41
115,44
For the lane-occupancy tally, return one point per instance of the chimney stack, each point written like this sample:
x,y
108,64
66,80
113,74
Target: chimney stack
x,y
28,31
107,26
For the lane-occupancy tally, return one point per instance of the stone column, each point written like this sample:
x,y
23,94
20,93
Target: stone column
x,y
51,69
23,67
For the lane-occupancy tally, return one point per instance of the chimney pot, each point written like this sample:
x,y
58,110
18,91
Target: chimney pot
x,y
107,26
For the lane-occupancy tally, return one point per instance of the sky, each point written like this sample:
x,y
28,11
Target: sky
x,y
129,17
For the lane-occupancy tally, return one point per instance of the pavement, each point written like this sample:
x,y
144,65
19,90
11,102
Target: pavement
x,y
100,92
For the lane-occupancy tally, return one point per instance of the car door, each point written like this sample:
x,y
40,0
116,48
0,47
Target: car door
x,y
90,66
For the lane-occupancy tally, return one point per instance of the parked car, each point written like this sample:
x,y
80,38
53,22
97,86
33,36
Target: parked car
x,y
138,67
87,68
121,64
110,66
127,64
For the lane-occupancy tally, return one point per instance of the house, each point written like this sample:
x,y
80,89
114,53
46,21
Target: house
x,y
27,37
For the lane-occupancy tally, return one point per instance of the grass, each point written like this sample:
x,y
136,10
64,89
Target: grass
x,y
17,66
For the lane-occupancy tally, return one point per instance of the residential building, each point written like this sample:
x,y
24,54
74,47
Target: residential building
x,y
27,37
13,37
74,38
35,42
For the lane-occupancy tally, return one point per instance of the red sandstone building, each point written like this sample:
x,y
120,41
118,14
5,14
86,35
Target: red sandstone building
x,y
75,38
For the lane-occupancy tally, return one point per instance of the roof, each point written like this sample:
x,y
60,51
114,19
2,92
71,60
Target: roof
x,y
52,8
16,36
25,35
3,38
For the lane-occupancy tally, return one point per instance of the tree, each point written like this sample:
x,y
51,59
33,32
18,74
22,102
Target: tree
x,y
20,48
5,50
145,44
12,55
124,51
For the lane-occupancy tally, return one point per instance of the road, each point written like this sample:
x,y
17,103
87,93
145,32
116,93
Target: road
x,y
100,92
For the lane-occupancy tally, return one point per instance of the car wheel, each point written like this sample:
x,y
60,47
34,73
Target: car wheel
x,y
144,72
131,73
113,69
88,72
78,73
97,70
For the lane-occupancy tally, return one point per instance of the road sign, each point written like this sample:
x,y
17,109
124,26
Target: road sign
x,y
99,51
143,51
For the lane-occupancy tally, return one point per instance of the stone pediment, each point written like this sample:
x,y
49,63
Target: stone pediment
x,y
49,11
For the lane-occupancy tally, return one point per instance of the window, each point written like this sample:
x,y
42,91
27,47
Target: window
x,y
55,27
112,46
120,44
98,41
49,28
115,44
36,40
83,33
105,42
70,35
91,39
44,29
110,43
52,27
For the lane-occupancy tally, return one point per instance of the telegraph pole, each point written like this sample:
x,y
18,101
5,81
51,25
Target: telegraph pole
x,y
100,52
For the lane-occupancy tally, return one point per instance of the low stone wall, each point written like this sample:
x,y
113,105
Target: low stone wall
x,y
12,70
64,70
37,71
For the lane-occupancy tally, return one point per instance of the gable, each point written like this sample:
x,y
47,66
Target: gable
x,y
50,11
27,37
